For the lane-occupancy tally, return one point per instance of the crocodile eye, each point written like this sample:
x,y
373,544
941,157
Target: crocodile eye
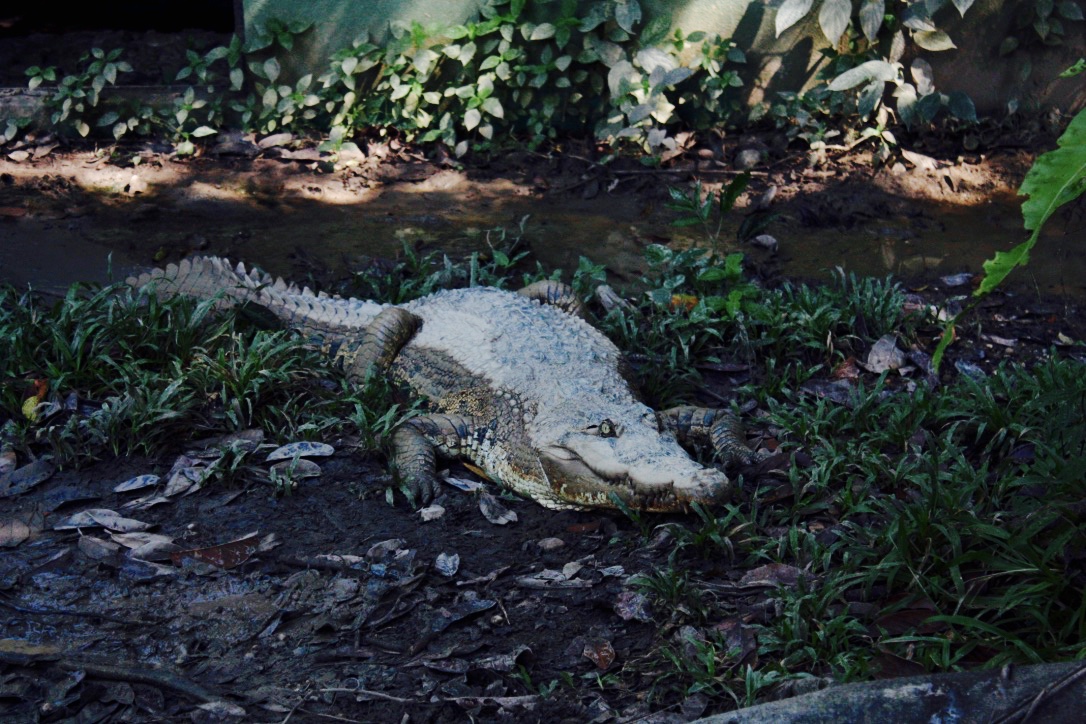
x,y
606,428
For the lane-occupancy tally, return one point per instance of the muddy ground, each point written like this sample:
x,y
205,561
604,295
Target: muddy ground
x,y
327,603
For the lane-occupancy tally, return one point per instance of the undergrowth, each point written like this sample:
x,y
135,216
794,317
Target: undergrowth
x,y
926,529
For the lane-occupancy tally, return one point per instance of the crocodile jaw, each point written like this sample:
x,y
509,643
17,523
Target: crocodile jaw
x,y
661,484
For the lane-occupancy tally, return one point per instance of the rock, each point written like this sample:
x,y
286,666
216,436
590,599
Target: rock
x,y
765,241
550,544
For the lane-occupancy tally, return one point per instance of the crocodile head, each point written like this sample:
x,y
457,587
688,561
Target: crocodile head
x,y
623,452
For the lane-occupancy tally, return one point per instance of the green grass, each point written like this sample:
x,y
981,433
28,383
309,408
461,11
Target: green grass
x,y
147,375
944,526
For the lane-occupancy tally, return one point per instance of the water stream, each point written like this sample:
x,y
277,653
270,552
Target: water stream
x,y
65,241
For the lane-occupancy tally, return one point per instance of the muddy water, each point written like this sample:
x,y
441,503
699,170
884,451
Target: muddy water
x,y
64,238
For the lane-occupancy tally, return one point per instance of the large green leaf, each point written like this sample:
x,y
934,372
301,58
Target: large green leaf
x,y
872,13
962,6
1057,177
872,70
933,40
628,14
790,13
833,18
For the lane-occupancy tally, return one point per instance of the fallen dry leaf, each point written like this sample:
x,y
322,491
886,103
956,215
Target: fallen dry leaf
x,y
25,478
136,483
885,355
601,653
20,527
103,518
494,511
300,450
774,575
226,555
631,605
447,564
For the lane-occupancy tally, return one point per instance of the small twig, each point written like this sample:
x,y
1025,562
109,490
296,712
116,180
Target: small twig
x,y
301,698
504,612
75,612
139,673
715,395
330,716
501,701
1026,711
692,172
374,694
335,523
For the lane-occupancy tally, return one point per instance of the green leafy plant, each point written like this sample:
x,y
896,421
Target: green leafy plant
x,y
705,210
867,43
1056,178
76,96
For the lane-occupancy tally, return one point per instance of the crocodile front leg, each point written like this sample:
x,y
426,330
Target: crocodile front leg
x,y
417,443
384,337
719,428
555,294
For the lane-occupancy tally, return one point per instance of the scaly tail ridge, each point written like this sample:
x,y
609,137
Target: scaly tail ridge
x,y
210,277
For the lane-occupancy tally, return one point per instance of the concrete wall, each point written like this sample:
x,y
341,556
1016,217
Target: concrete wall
x,y
786,63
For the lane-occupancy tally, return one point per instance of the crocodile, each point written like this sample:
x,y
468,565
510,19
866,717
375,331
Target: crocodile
x,y
517,383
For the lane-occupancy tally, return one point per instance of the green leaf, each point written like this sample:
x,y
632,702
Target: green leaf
x,y
1076,69
961,106
237,79
872,13
656,29
1056,178
1070,10
962,6
733,265
542,32
627,14
472,118
596,14
119,130
790,13
870,97
271,69
204,131
833,18
733,191
713,274
621,78
494,107
933,40
872,70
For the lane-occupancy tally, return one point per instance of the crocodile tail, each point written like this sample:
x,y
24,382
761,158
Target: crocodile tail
x,y
209,277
